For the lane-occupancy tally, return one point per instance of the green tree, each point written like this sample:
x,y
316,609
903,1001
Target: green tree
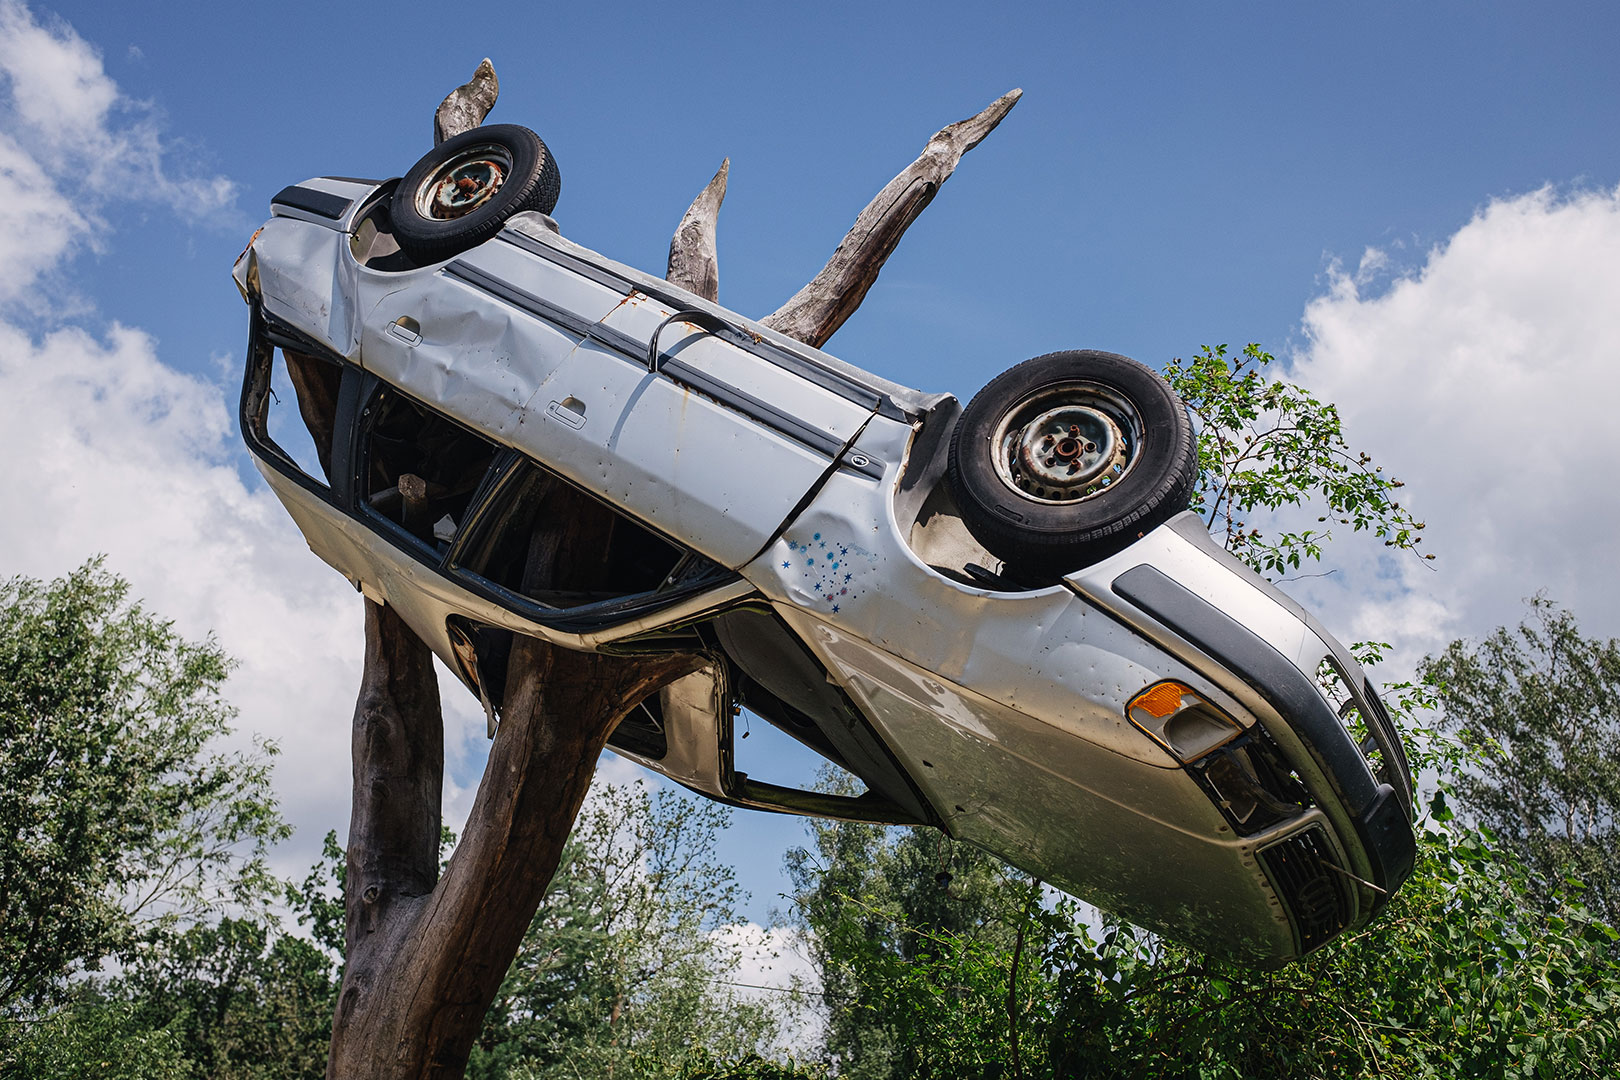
x,y
232,999
1463,976
911,934
118,818
1475,970
1540,704
245,1001
1267,444
622,972
91,1038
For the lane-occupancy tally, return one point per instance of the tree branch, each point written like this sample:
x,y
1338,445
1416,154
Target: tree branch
x,y
465,107
820,308
694,263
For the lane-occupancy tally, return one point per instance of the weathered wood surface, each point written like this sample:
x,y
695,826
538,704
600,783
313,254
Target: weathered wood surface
x,y
694,260
315,385
426,958
426,955
465,107
820,308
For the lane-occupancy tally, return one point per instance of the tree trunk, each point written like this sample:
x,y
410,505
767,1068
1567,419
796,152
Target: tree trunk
x,y
425,961
694,262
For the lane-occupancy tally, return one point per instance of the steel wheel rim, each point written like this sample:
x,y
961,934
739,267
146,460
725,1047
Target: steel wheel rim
x,y
1066,444
464,183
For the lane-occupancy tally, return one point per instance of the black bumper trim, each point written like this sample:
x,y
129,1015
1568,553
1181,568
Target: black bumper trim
x,y
1382,826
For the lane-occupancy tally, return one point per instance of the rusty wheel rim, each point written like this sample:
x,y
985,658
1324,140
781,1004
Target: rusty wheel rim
x,y
1066,444
463,183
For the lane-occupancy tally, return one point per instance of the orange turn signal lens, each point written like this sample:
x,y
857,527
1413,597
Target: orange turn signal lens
x,y
1161,700
1177,718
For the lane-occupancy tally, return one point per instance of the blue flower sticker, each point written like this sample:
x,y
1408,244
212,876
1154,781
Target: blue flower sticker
x,y
839,578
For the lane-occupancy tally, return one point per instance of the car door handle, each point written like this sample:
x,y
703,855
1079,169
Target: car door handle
x,y
406,329
570,411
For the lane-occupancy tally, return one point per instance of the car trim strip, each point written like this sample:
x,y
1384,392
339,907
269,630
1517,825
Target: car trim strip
x,y
754,408
803,366
1387,837
321,203
630,349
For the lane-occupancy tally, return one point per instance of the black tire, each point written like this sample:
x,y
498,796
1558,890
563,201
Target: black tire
x,y
530,181
1131,469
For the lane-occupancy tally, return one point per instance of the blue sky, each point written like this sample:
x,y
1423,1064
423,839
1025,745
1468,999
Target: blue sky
x,y
1415,204
1175,174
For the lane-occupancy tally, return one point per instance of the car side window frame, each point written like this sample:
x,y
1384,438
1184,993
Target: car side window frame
x,y
346,492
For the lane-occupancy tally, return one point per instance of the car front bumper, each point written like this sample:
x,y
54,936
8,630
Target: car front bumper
x,y
1198,602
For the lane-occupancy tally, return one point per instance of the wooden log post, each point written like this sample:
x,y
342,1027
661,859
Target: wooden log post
x,y
427,954
465,107
426,957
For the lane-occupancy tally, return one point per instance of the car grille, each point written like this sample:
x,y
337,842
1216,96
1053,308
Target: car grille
x,y
1303,872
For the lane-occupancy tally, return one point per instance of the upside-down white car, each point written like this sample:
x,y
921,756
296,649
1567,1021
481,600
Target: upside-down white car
x,y
1001,620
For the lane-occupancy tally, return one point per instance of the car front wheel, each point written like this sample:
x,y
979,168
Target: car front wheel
x,y
1068,458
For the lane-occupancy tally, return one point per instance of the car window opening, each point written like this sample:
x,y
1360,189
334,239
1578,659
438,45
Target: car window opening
x,y
293,407
778,680
641,732
772,752
618,557
483,656
420,470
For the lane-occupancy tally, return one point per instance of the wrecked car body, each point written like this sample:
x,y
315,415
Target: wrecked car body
x,y
1153,727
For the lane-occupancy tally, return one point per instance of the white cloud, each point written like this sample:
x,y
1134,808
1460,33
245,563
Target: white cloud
x,y
109,449
774,968
1487,378
71,142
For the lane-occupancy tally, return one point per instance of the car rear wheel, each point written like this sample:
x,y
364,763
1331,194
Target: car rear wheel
x,y
463,191
1069,457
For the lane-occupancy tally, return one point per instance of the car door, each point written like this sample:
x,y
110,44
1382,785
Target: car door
x,y
548,355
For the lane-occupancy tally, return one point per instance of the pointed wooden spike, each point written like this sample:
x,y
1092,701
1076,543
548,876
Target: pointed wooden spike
x,y
465,107
821,307
694,261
